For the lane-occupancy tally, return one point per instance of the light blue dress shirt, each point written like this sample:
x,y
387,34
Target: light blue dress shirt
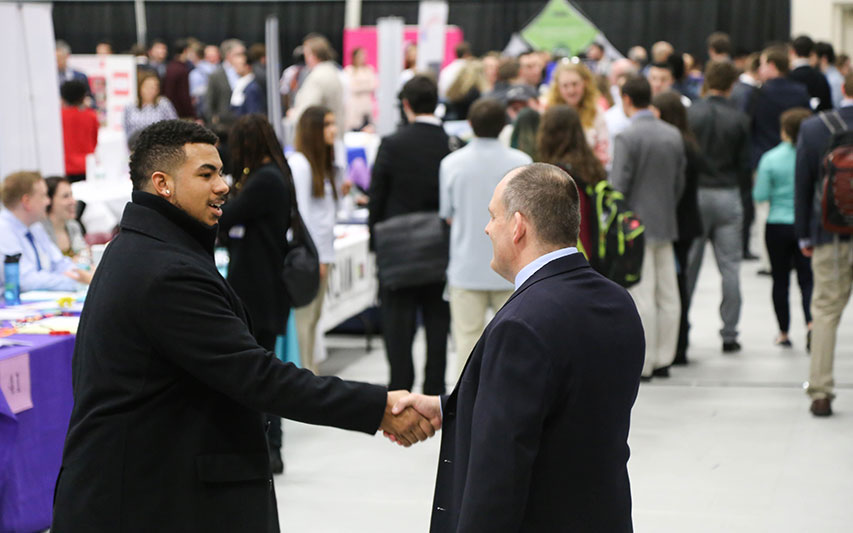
x,y
13,240
534,266
467,179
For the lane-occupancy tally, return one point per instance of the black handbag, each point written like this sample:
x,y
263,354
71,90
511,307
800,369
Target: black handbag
x,y
301,272
411,250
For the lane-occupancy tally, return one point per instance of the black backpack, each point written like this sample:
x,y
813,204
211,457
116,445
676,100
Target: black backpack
x,y
836,187
617,234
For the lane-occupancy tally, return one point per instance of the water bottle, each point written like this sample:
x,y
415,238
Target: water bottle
x,y
11,275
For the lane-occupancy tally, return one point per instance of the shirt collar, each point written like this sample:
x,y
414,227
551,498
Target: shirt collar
x,y
847,102
534,266
800,62
428,119
642,113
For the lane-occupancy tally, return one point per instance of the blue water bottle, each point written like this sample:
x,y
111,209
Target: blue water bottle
x,y
11,276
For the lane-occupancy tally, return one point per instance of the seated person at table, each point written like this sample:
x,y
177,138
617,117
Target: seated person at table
x,y
61,224
42,265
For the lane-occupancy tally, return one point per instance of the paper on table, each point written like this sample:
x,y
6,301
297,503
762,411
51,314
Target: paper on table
x,y
44,296
47,325
17,313
15,382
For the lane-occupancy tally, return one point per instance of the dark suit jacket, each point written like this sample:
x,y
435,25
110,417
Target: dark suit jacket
x,y
167,431
774,98
257,220
723,135
217,113
535,432
812,143
815,83
405,174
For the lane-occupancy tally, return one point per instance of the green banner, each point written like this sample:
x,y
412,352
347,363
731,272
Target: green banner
x,y
560,26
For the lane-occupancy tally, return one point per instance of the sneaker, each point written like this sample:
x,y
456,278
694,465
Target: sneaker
x,y
731,347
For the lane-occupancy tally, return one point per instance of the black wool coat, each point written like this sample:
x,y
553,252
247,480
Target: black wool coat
x,y
167,432
534,436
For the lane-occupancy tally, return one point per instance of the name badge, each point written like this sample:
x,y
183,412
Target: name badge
x,y
237,232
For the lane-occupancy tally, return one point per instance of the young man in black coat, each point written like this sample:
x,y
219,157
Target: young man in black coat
x,y
405,180
167,431
535,432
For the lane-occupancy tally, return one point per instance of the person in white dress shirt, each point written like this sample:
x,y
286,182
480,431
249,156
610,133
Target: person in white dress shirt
x,y
42,266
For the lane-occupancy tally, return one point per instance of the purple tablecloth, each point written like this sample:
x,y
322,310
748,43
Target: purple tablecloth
x,y
31,441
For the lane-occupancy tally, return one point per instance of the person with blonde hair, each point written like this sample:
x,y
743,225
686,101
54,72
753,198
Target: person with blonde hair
x,y
573,85
469,84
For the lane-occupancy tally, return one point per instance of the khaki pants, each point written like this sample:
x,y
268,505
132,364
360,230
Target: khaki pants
x,y
658,303
306,326
468,317
833,277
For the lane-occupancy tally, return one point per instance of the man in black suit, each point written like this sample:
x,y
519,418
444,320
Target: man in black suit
x,y
167,431
802,49
405,180
830,252
778,94
535,432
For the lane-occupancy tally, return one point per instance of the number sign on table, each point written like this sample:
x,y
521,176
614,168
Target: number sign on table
x,y
15,382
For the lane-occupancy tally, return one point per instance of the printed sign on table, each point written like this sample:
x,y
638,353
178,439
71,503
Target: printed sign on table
x,y
15,382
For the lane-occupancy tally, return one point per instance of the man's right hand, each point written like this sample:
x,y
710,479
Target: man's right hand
x,y
807,251
428,406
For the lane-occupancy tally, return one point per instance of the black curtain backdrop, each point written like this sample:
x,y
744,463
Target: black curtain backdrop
x,y
487,24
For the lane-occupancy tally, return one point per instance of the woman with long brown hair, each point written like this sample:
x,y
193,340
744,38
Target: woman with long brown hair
x,y
669,108
254,222
574,85
317,181
561,141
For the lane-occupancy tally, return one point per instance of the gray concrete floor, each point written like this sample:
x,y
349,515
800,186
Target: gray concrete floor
x,y
725,444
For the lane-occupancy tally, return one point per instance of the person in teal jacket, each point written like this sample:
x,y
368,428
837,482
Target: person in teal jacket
x,y
775,183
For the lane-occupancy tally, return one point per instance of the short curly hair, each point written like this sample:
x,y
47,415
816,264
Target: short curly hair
x,y
160,147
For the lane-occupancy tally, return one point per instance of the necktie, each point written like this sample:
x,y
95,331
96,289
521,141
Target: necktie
x,y
35,249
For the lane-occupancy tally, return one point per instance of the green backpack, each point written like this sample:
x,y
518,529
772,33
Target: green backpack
x,y
617,234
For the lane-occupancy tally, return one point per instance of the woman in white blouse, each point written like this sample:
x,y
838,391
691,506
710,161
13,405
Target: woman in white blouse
x,y
317,180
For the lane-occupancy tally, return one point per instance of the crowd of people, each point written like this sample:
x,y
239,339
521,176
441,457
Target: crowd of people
x,y
690,148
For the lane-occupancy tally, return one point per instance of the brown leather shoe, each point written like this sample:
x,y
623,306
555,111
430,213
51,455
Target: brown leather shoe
x,y
821,407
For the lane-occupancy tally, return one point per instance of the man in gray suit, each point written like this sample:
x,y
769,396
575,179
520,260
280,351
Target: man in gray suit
x,y
648,168
217,112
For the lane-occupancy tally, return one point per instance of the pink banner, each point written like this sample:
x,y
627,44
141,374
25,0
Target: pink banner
x,y
15,382
365,37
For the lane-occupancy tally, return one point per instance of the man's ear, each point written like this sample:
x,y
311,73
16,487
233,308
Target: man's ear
x,y
519,229
162,183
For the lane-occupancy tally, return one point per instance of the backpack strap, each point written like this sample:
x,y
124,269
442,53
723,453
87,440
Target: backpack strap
x,y
833,121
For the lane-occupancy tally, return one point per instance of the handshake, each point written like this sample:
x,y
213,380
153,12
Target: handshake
x,y
410,418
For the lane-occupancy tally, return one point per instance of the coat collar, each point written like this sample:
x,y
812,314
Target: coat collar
x,y
157,218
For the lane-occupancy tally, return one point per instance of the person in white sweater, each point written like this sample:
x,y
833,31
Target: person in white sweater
x,y
318,185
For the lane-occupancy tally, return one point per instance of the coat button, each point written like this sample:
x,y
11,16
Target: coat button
x,y
448,461
440,509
